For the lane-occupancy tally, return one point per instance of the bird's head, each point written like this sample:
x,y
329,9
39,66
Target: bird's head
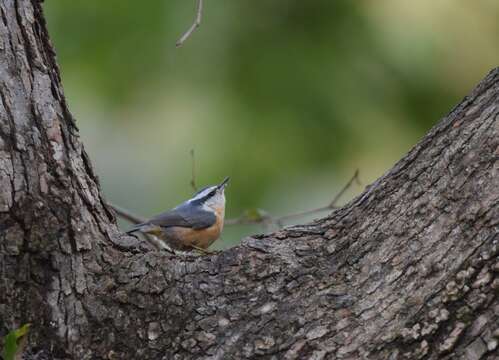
x,y
212,197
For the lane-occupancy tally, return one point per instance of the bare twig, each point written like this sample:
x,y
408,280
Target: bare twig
x,y
355,178
266,219
250,217
193,177
195,24
257,216
135,219
127,215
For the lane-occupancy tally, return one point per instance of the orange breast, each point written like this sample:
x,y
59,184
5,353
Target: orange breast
x,y
180,237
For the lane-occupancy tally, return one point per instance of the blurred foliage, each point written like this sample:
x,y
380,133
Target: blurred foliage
x,y
286,97
13,342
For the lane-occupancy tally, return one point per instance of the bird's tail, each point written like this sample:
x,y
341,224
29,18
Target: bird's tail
x,y
146,228
136,228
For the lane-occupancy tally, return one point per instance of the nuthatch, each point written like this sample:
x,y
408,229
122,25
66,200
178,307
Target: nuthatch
x,y
194,224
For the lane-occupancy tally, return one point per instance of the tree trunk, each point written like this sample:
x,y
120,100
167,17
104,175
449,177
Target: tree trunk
x,y
406,270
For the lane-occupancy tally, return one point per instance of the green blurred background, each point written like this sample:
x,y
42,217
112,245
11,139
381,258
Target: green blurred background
x,y
288,97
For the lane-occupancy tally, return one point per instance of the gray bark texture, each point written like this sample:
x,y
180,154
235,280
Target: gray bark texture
x,y
407,270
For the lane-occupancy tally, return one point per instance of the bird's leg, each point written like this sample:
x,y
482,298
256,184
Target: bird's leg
x,y
167,249
200,249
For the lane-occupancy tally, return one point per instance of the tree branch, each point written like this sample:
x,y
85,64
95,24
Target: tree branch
x,y
195,24
263,217
135,219
408,269
193,175
257,216
126,214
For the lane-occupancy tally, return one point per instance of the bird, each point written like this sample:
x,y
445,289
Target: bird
x,y
193,225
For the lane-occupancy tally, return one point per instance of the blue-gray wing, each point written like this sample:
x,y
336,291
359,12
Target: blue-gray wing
x,y
185,216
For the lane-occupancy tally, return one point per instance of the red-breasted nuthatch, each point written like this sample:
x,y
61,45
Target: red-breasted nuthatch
x,y
194,224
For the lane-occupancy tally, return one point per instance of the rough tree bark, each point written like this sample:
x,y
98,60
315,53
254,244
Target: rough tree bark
x,y
406,270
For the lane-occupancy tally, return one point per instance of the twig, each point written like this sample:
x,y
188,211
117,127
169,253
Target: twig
x,y
261,217
127,215
267,219
355,178
193,177
249,218
135,219
195,24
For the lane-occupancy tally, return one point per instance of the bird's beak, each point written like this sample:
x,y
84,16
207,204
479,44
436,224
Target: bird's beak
x,y
223,184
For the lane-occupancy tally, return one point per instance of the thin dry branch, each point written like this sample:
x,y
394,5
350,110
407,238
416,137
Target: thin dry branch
x,y
250,218
135,219
266,219
193,175
195,24
127,215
